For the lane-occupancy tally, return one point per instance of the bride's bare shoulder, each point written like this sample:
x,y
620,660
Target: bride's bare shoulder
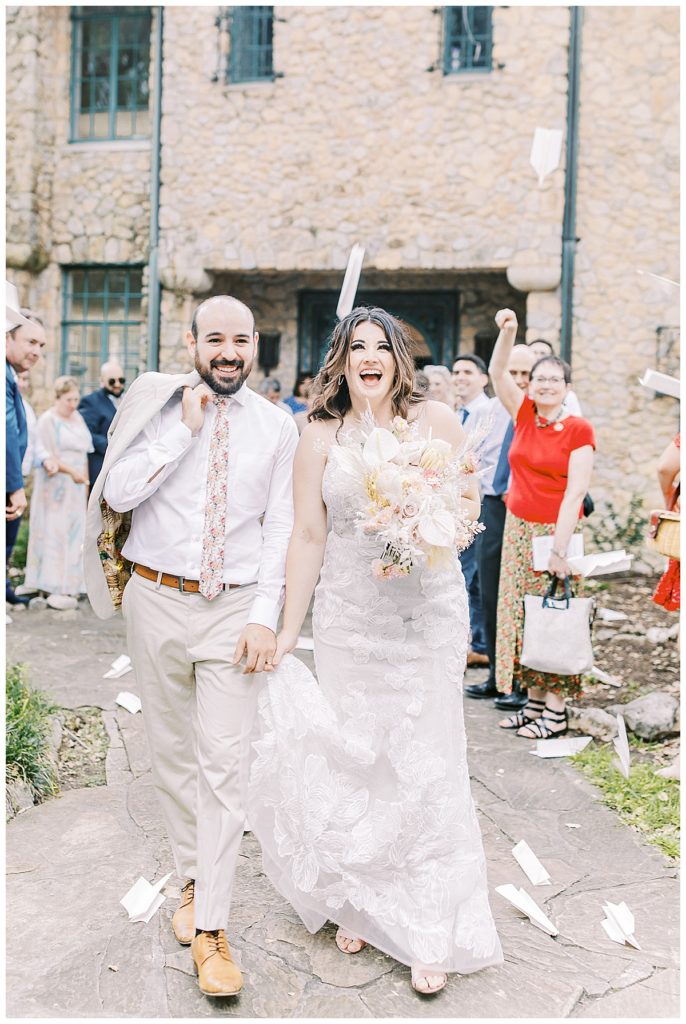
x,y
434,413
318,436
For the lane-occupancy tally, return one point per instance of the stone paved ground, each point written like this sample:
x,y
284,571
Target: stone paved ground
x,y
72,953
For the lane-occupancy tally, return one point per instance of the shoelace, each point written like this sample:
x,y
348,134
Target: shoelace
x,y
189,892
218,943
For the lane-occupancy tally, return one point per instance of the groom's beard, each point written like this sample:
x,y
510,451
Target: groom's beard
x,y
217,384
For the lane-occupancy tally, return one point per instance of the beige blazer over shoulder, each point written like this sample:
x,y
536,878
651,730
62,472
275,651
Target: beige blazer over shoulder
x,y
144,399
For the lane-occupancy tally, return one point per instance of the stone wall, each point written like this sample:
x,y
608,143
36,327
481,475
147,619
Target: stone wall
x,y
628,211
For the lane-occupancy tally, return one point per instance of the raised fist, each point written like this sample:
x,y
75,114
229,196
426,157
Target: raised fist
x,y
506,320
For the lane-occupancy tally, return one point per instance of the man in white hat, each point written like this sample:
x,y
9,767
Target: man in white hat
x,y
24,341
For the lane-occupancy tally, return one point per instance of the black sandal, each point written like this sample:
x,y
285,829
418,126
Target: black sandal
x,y
541,727
521,718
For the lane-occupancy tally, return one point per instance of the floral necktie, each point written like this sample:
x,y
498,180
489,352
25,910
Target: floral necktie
x,y
214,529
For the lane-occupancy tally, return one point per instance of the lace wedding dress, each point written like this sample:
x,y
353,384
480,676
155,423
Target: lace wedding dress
x,y
359,788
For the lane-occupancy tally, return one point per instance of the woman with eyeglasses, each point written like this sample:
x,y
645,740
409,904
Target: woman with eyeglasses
x,y
551,461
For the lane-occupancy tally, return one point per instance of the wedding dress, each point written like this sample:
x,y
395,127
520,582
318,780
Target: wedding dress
x,y
359,788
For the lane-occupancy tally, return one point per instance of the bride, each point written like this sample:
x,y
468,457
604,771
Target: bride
x,y
359,791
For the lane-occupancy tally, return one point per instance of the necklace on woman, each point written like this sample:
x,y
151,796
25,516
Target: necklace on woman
x,y
549,423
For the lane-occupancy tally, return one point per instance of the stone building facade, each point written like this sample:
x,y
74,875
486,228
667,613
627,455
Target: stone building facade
x,y
264,186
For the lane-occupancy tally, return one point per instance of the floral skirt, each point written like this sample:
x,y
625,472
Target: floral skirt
x,y
518,578
668,591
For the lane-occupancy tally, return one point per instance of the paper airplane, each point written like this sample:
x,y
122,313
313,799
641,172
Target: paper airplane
x,y
522,901
621,745
604,677
129,701
560,748
545,151
572,824
143,899
619,924
662,383
120,667
351,280
600,562
530,864
610,615
305,643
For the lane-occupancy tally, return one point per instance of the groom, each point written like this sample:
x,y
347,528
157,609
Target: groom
x,y
201,466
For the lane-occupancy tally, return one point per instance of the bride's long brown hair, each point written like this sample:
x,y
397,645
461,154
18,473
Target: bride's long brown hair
x,y
331,398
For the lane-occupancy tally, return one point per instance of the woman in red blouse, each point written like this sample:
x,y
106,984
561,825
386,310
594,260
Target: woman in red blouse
x,y
551,460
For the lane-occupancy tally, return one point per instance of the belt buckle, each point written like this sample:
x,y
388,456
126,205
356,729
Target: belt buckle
x,y
182,580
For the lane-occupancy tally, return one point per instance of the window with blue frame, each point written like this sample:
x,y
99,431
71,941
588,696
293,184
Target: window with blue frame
x,y
250,47
102,320
467,39
110,73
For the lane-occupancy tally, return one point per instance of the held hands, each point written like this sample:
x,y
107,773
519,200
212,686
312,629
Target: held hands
x,y
256,644
16,504
285,642
193,402
506,320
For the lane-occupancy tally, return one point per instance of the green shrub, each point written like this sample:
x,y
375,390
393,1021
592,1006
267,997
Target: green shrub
x,y
18,559
611,527
27,728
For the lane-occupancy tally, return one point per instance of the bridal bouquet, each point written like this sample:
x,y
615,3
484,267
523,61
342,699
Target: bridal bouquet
x,y
407,492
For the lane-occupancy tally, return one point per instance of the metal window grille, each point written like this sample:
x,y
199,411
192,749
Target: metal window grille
x,y
102,320
110,80
468,39
250,52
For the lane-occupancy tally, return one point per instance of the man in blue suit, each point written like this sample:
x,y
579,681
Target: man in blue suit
x,y
98,410
24,339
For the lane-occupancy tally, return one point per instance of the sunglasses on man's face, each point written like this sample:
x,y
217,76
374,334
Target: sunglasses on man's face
x,y
116,380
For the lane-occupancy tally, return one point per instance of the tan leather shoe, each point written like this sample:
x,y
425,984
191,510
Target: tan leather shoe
x,y
475,659
183,921
217,973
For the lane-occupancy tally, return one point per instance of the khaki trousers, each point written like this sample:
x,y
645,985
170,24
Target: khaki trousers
x,y
198,711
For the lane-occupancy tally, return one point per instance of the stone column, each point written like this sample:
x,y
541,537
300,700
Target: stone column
x,y
541,284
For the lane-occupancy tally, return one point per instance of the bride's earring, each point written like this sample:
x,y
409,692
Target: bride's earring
x,y
341,379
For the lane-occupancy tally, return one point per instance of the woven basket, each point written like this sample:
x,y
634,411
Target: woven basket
x,y
664,533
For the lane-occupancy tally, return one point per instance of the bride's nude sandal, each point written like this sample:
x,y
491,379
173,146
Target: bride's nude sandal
x,y
343,936
422,973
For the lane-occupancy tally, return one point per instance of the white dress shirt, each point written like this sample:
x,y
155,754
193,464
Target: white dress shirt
x,y
477,408
169,505
489,451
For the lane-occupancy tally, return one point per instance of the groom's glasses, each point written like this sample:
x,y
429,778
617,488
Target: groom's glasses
x,y
116,380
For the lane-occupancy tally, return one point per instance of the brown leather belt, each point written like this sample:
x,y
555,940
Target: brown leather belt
x,y
177,582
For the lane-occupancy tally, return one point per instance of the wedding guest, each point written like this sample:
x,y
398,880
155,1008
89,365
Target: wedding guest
x,y
551,460
421,383
25,339
298,400
668,591
270,388
440,384
58,504
98,410
470,379
494,483
539,348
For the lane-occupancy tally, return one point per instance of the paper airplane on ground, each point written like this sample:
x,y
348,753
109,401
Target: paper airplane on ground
x,y
129,701
522,901
662,383
351,280
120,667
530,864
600,562
604,677
545,151
621,745
143,899
560,748
619,924
610,615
